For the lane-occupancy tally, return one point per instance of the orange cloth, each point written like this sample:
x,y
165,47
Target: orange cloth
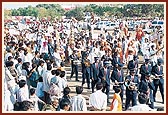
x,y
119,107
125,31
139,34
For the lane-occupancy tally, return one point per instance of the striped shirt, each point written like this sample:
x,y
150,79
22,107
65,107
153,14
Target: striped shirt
x,y
78,103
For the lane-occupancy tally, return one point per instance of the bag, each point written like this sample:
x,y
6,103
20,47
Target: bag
x,y
54,90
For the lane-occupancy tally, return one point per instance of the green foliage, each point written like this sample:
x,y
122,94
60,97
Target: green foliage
x,y
55,10
77,13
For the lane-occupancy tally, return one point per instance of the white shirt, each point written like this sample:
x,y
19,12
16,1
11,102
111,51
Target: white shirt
x,y
8,105
7,55
62,83
46,80
98,100
19,69
35,101
78,103
22,94
40,70
141,107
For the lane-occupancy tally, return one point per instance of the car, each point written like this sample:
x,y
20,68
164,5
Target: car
x,y
148,30
158,24
111,26
101,24
131,27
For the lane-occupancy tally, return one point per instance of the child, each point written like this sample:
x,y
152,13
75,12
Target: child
x,y
116,104
35,99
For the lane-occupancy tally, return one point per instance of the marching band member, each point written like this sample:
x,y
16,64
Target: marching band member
x,y
116,59
157,71
105,78
131,89
117,78
74,65
147,86
95,72
133,64
146,67
86,71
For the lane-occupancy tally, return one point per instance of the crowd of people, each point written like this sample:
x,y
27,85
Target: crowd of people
x,y
36,80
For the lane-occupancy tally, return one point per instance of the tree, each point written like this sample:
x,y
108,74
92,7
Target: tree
x,y
15,12
42,12
77,13
7,13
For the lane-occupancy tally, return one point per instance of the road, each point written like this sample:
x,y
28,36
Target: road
x,y
86,92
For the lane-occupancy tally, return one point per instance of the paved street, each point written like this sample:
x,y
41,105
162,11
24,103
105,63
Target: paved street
x,y
86,93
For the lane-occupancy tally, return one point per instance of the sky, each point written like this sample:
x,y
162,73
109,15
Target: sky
x,y
18,5
22,5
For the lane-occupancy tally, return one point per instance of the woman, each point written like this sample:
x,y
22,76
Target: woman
x,y
116,104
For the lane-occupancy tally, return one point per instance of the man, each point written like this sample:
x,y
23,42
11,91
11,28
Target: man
x,y
146,86
106,56
46,83
146,67
84,54
50,48
117,78
131,89
157,71
86,72
98,100
95,71
41,68
116,59
53,106
78,102
74,65
142,106
133,64
105,79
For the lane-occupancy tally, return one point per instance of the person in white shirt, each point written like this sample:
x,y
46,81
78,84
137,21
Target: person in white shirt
x,y
62,83
46,82
35,99
78,102
98,99
8,105
57,58
91,56
142,98
22,93
40,68
8,53
19,66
